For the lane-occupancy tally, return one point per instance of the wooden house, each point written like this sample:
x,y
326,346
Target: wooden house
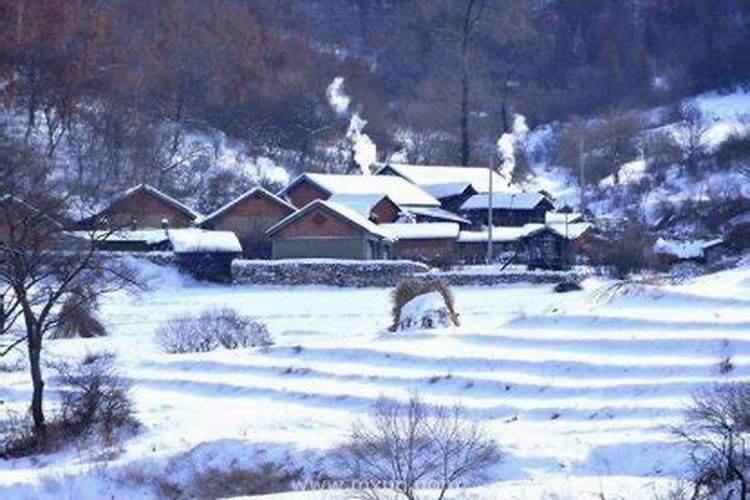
x,y
143,207
249,217
324,229
451,185
508,208
378,208
310,187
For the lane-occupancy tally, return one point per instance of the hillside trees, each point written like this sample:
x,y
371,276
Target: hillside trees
x,y
41,266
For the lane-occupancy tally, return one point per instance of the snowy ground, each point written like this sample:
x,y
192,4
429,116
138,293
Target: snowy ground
x,y
579,392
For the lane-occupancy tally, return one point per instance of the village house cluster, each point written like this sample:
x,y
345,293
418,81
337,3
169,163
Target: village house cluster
x,y
439,215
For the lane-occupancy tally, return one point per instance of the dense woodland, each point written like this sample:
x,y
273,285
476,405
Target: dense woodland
x,y
123,84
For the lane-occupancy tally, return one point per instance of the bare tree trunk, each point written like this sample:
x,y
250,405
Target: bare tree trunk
x,y
35,364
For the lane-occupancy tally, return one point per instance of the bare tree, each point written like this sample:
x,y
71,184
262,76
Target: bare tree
x,y
715,429
415,445
694,126
471,17
42,266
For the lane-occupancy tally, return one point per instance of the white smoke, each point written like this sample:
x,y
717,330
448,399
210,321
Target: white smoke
x,y
508,142
337,98
365,150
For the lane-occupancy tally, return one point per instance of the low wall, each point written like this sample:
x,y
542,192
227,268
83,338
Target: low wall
x,y
357,273
334,272
506,278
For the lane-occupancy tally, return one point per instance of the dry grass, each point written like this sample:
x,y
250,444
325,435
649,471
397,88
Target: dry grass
x,y
411,288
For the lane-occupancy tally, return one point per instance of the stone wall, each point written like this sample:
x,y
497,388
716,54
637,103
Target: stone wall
x,y
333,272
507,278
352,273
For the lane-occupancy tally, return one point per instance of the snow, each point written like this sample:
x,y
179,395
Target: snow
x,y
562,218
197,240
579,392
499,234
422,230
399,190
517,201
446,190
424,311
437,175
147,236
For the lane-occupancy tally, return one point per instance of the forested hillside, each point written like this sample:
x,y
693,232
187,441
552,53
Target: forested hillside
x,y
204,97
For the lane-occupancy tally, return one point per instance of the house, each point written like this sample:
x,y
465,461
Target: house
x,y
546,246
434,243
249,217
310,187
143,207
324,229
451,185
508,208
553,246
670,251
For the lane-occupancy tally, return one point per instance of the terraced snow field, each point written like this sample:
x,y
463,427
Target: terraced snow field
x,y
580,391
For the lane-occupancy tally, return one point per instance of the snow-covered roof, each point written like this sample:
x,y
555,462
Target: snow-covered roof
x,y
199,241
360,203
10,199
515,233
499,234
147,236
524,200
436,213
401,191
256,191
342,211
683,249
448,189
421,231
561,217
433,175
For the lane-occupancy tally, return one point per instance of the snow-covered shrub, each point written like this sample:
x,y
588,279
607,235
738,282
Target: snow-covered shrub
x,y
95,399
17,438
422,303
415,445
210,330
567,286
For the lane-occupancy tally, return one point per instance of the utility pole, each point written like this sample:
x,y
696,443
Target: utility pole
x,y
581,175
489,211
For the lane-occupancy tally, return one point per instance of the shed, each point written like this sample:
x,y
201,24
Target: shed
x,y
324,229
249,217
206,255
553,246
143,207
